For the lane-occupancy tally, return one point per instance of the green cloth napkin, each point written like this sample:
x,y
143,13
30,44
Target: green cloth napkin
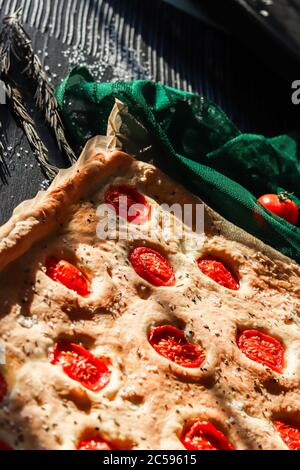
x,y
200,145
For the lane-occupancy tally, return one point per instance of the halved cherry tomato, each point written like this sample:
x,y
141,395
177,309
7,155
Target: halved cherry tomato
x,y
81,365
152,266
202,435
94,443
262,348
170,342
290,434
281,205
3,387
128,202
218,272
5,446
67,274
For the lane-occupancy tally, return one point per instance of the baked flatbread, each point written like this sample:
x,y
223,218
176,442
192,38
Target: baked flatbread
x,y
151,342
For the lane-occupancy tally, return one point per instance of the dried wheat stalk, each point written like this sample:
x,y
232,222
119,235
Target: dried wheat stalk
x,y
24,119
2,145
5,41
17,106
44,96
3,152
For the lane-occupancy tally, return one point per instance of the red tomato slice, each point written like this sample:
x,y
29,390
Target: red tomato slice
x,y
67,274
216,270
94,443
81,365
290,434
3,387
262,348
202,435
5,446
152,266
128,202
171,343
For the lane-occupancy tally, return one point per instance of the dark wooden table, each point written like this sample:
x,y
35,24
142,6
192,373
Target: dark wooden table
x,y
137,39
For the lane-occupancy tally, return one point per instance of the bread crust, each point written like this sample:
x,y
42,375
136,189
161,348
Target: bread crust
x,y
149,399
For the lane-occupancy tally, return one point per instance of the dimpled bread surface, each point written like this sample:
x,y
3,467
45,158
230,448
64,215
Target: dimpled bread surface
x,y
149,399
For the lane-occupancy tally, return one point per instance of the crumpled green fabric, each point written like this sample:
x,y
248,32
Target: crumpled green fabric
x,y
199,143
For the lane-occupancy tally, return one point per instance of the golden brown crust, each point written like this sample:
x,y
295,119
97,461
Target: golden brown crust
x,y
34,219
149,399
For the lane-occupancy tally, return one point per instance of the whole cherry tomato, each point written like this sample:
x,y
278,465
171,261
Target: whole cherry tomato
x,y
281,205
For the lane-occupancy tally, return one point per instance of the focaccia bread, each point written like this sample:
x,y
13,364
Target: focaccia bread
x,y
151,342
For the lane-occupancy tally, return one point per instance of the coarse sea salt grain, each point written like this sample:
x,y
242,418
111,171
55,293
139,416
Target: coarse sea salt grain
x,y
238,405
27,322
113,61
44,184
230,420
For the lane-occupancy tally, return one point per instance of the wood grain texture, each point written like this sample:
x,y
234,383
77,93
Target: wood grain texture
x,y
133,39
